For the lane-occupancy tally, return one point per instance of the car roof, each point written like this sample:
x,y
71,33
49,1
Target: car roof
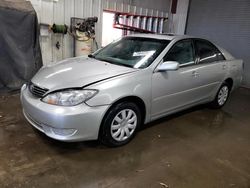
x,y
164,36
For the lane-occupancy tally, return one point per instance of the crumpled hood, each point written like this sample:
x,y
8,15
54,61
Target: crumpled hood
x,y
76,72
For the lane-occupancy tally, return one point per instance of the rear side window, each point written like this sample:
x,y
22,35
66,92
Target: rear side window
x,y
182,52
207,52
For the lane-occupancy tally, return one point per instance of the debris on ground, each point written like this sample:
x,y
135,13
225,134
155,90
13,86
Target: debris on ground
x,y
164,185
168,164
139,170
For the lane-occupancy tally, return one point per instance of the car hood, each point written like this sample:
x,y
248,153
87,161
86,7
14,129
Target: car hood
x,y
77,72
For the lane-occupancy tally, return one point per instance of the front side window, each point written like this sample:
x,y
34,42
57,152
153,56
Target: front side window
x,y
207,52
182,52
135,52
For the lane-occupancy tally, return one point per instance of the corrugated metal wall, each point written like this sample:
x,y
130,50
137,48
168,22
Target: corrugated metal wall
x,y
61,11
161,5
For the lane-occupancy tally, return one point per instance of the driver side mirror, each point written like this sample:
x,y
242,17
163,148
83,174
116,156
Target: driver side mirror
x,y
168,66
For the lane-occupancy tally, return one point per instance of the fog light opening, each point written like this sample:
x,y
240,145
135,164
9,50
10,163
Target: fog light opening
x,y
64,132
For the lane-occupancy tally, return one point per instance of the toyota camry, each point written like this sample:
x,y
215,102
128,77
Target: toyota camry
x,y
132,81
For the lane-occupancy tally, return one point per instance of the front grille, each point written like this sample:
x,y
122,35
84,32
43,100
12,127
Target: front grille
x,y
37,91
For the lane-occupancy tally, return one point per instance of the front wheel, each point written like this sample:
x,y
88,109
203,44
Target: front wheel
x,y
120,124
221,96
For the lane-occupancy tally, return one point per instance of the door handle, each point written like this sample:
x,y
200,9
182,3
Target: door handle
x,y
195,74
224,67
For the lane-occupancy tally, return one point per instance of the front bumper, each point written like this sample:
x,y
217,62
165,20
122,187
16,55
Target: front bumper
x,y
76,123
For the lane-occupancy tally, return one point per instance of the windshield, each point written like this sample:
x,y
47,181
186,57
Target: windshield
x,y
135,52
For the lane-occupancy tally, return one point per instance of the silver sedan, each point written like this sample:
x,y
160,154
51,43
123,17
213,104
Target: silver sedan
x,y
137,79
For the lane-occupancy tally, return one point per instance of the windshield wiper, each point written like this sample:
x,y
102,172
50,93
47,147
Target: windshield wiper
x,y
125,65
109,61
91,56
104,60
114,63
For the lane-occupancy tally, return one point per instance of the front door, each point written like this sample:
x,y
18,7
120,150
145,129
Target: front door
x,y
173,90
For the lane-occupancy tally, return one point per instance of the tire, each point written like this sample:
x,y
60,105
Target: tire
x,y
221,96
120,124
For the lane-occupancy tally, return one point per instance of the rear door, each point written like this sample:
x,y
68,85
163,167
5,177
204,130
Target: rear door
x,y
211,67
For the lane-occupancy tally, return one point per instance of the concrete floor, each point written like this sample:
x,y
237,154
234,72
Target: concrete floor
x,y
196,148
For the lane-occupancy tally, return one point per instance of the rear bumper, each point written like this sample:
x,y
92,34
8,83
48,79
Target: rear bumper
x,y
77,123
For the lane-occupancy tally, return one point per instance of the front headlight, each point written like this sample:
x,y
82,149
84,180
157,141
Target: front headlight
x,y
69,97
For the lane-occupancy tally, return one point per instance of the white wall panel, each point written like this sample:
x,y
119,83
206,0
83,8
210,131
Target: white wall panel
x,y
87,8
78,8
46,42
97,11
68,45
58,18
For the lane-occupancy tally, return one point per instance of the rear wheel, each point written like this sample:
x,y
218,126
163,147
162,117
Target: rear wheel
x,y
221,96
120,124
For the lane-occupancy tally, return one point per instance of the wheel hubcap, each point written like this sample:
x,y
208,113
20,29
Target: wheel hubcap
x,y
123,125
223,94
